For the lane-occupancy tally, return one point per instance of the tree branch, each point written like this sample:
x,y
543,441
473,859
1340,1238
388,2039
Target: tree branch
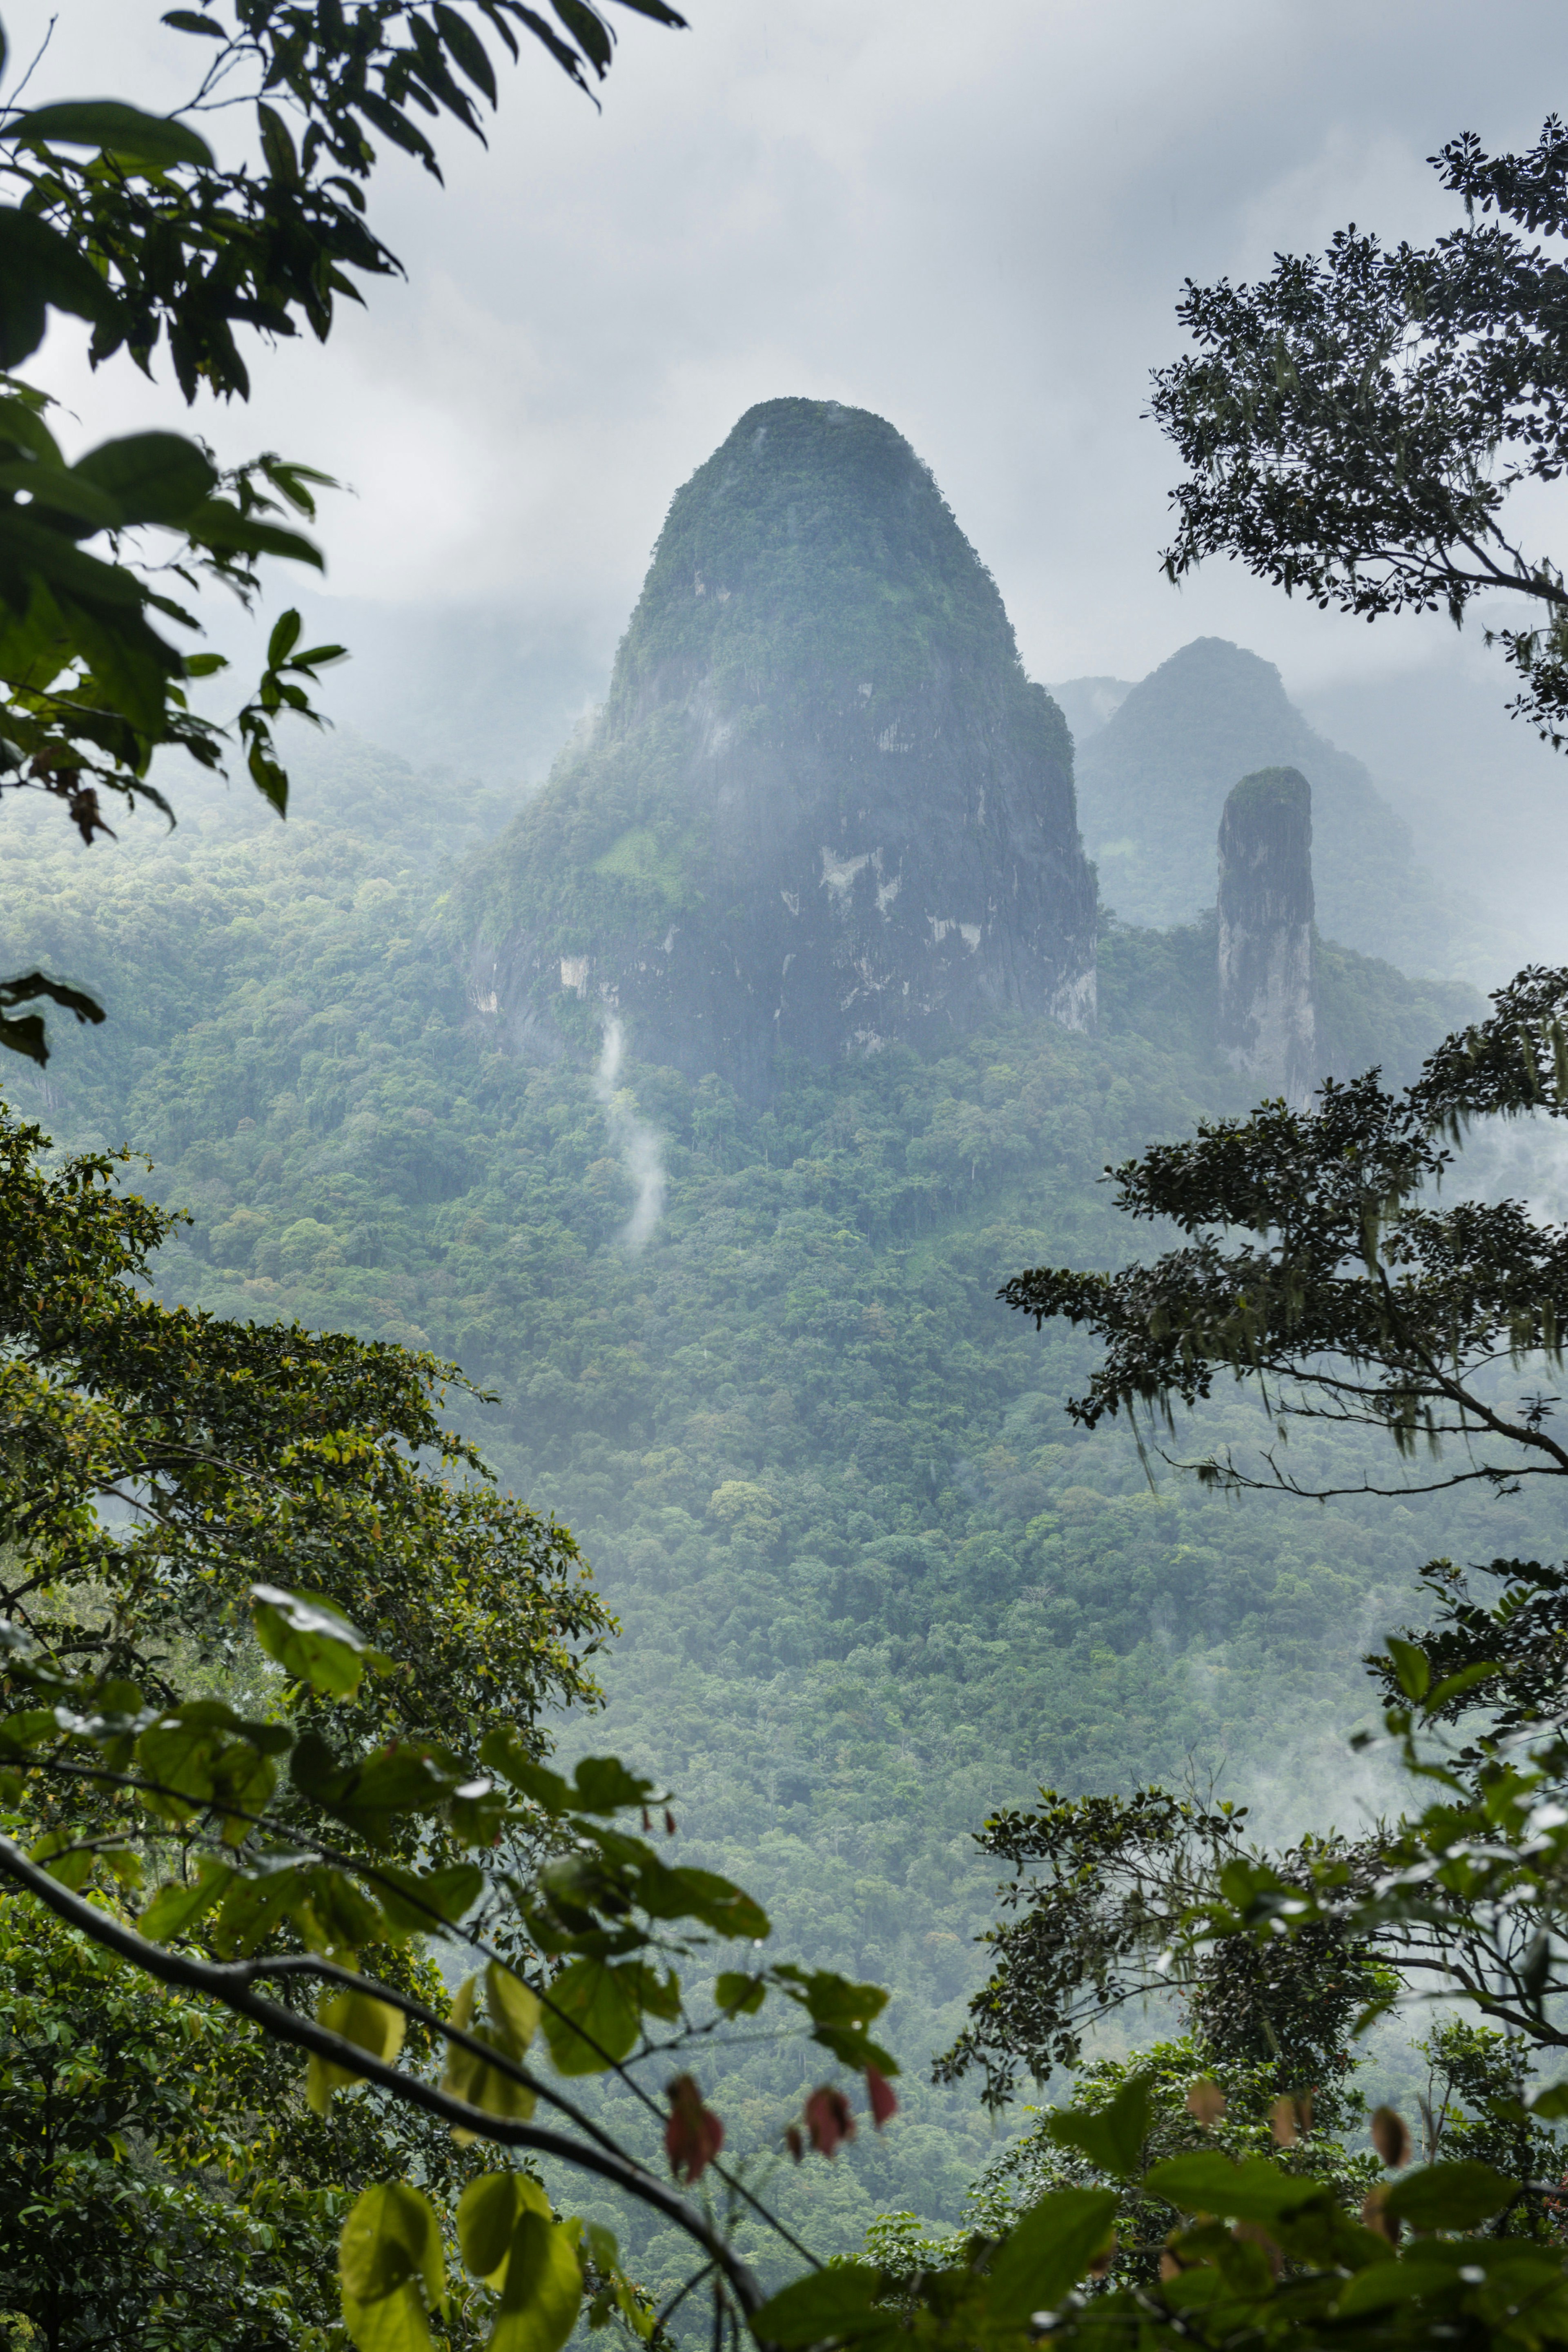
x,y
230,1983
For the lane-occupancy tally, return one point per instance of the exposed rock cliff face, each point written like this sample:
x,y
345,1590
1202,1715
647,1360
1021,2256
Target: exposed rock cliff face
x,y
823,809
1268,1016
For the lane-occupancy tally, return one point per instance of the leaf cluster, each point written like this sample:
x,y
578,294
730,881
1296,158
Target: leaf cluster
x,y
1354,424
1353,1299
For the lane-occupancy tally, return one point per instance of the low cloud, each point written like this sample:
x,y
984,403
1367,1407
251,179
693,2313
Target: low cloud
x,y
641,1153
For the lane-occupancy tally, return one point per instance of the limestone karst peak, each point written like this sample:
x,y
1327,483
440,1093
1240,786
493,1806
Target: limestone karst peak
x,y
823,808
1268,1013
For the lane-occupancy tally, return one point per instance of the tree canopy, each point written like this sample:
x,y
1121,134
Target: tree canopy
x,y
1355,1299
1354,425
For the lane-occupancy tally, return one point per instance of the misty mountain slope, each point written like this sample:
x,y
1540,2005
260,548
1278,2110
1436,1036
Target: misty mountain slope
x,y
1152,779
822,808
873,1580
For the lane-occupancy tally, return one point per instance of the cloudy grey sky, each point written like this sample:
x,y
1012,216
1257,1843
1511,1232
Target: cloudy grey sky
x,y
973,220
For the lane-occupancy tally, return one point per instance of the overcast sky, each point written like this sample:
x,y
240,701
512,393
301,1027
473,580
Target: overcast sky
x,y
974,220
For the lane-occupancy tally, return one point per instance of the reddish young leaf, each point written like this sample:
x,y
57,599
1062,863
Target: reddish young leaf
x,y
879,2091
796,2146
694,2134
828,2119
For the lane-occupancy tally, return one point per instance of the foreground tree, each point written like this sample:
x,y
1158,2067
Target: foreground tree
x,y
129,221
1354,425
1356,1300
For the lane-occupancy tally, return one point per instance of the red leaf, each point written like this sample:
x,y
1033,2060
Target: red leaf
x,y
796,2147
879,2091
694,2134
828,2119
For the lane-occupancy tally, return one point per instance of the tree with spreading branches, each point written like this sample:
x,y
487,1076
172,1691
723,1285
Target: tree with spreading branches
x,y
1322,1269
1356,426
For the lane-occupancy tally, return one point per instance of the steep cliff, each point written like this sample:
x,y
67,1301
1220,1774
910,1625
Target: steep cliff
x,y
1267,1021
822,808
1151,780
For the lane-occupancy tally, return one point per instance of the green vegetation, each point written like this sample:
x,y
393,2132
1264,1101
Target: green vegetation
x,y
873,1585
1354,425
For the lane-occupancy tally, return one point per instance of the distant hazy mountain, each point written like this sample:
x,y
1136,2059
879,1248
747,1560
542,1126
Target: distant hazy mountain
x,y
1087,703
1152,779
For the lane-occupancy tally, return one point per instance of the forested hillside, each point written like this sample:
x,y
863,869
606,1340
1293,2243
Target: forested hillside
x,y
873,1580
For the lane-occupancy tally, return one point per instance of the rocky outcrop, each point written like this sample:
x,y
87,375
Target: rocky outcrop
x,y
823,808
1267,1014
1152,774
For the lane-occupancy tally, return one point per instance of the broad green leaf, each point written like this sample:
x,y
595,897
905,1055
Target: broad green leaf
x,y
838,2302
724,1907
1411,1669
60,490
153,476
488,2213
369,2024
335,1915
392,2236
118,129
54,1851
1112,2139
470,2078
1207,2182
1048,2252
396,2323
591,2018
40,269
284,638
418,1903
514,2010
543,2292
1448,2196
737,1994
601,1784
177,1906
309,1638
501,1750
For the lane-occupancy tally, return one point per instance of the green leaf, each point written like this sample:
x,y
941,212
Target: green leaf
x,y
40,269
1411,1670
1207,2182
1048,2252
841,2302
543,2292
309,1638
1112,2139
118,129
215,524
177,1906
601,1784
737,1994
185,20
593,2017
417,1903
728,1908
488,2213
1448,2196
391,2237
369,2024
156,478
514,2010
284,638
395,2324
